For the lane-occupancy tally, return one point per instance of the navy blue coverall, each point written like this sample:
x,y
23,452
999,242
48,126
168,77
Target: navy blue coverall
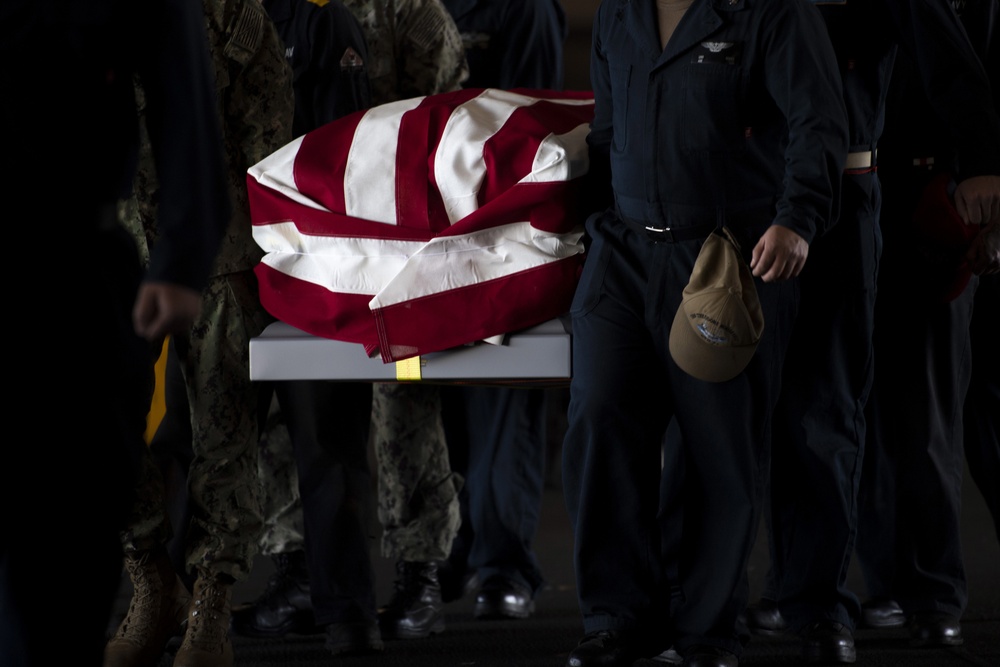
x,y
909,539
497,435
819,423
326,49
819,420
512,44
328,422
738,121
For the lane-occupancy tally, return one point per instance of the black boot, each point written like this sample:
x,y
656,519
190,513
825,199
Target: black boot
x,y
415,610
284,606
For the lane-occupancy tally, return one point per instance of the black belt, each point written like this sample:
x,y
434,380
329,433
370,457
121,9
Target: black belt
x,y
672,234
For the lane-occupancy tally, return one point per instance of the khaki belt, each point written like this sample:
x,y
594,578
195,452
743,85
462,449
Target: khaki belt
x,y
859,160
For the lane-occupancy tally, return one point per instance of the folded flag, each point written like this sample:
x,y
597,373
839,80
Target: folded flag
x,y
427,223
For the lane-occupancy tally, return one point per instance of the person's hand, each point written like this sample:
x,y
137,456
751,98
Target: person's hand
x,y
164,308
984,251
779,255
977,199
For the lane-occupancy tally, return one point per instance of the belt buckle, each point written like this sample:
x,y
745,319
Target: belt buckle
x,y
660,234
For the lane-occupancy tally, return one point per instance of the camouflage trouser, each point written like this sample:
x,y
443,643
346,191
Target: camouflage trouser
x,y
418,503
279,487
222,480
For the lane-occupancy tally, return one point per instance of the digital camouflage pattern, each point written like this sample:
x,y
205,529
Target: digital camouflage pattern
x,y
414,48
279,487
254,85
418,503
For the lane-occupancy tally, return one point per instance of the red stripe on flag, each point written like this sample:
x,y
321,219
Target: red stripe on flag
x,y
316,310
270,206
418,202
319,168
510,153
548,206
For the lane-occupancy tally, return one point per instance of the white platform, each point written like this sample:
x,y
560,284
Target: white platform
x,y
539,354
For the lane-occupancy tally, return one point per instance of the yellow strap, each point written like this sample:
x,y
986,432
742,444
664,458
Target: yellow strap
x,y
408,369
158,405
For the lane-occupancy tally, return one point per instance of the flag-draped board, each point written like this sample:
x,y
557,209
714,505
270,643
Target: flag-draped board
x,y
427,223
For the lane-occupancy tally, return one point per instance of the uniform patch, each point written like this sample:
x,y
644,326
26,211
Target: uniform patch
x,y
245,32
723,53
351,59
426,27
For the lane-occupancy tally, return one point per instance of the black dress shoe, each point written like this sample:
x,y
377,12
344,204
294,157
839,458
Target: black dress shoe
x,y
828,642
882,613
416,609
354,638
931,629
605,648
709,656
284,607
764,618
500,597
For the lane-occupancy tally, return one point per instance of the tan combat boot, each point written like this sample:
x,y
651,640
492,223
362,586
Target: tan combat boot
x,y
156,613
206,640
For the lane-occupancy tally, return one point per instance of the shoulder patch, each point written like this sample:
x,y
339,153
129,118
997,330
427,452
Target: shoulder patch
x,y
245,31
427,26
351,59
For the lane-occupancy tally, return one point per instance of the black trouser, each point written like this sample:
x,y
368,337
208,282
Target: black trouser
x,y
819,424
328,423
81,381
497,439
624,391
982,403
909,542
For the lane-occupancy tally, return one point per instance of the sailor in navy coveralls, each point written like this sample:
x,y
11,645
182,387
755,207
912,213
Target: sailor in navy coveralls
x,y
738,120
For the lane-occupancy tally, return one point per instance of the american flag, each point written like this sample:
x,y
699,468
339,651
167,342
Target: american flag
x,y
427,223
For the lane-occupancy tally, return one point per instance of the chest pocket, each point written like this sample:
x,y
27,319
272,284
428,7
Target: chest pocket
x,y
715,118
620,79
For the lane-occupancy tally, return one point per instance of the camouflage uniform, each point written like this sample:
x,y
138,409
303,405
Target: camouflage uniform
x,y
280,501
414,49
255,97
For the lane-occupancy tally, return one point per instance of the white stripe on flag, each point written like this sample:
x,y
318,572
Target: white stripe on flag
x,y
276,172
453,262
370,175
561,157
350,265
459,168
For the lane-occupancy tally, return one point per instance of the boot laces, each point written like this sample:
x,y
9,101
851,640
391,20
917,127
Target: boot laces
x,y
146,596
209,622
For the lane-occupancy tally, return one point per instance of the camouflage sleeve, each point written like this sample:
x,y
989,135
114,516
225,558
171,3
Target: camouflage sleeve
x,y
255,90
431,55
260,101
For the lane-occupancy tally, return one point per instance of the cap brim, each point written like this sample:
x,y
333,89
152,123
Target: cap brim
x,y
701,360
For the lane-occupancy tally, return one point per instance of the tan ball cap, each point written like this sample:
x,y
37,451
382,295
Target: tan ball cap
x,y
719,322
